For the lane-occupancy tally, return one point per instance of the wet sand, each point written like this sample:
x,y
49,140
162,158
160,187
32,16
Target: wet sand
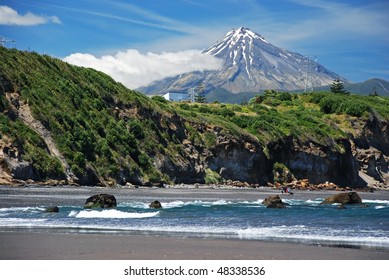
x,y
70,246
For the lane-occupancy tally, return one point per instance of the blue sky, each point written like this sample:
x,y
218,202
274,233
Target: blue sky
x,y
350,37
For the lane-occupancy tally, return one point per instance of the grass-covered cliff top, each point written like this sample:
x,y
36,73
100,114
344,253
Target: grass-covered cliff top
x,y
313,116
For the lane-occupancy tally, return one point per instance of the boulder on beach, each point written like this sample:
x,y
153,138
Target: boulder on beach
x,y
155,204
100,201
343,198
52,209
274,201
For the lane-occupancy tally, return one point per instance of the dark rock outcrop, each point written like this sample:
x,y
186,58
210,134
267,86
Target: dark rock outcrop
x,y
274,201
155,204
371,149
374,164
20,169
318,162
100,201
375,133
344,198
88,177
52,209
232,158
239,159
187,166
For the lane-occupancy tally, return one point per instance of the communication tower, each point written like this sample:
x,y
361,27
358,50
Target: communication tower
x,y
192,94
4,40
310,72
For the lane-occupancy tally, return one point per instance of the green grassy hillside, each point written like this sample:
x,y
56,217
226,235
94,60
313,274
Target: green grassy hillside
x,y
79,107
107,132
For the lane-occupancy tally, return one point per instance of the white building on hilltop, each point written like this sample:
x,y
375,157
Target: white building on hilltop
x,y
176,96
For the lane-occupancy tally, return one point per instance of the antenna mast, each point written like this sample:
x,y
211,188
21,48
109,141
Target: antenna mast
x,y
4,40
310,62
192,94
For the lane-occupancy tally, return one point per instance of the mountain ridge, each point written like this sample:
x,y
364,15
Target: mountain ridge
x,y
369,87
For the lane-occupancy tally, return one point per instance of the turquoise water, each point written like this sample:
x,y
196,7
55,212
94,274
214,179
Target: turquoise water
x,y
304,221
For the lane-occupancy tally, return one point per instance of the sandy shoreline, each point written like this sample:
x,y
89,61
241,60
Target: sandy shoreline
x,y
22,244
69,246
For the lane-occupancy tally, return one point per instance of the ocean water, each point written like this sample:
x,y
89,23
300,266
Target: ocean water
x,y
304,221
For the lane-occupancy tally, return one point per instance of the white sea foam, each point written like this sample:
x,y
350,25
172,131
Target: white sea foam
x,y
294,201
381,207
376,201
135,204
73,213
269,231
303,234
111,213
259,201
173,204
166,205
16,222
177,204
180,203
22,209
221,202
314,202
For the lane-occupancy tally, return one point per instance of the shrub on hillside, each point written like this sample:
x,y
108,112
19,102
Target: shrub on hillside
x,y
355,109
329,105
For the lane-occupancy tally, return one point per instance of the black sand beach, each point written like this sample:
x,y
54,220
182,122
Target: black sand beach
x,y
61,246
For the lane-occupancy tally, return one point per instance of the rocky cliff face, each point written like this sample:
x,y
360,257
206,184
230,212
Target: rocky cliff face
x,y
12,164
354,162
371,150
318,163
239,159
22,110
233,158
375,134
360,161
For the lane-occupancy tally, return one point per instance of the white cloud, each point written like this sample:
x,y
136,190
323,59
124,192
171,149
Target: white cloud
x,y
9,16
134,69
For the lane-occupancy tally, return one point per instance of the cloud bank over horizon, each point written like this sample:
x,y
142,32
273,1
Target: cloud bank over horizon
x,y
135,69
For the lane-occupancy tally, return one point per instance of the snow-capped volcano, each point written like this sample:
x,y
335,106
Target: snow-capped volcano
x,y
250,63
238,47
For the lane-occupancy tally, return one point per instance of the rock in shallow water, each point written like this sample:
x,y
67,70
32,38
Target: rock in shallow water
x,y
274,201
155,204
52,209
344,198
100,201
